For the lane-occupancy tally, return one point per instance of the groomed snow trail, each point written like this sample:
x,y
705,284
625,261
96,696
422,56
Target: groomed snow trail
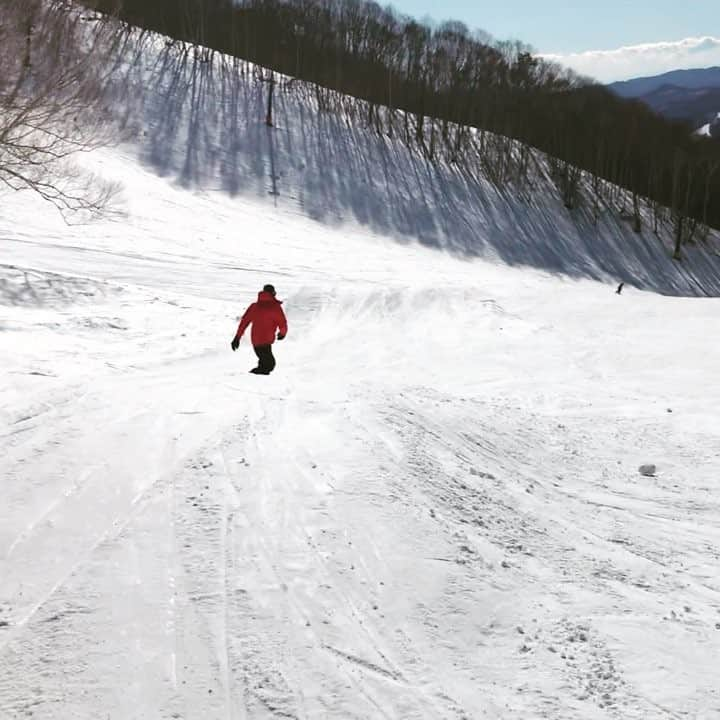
x,y
431,510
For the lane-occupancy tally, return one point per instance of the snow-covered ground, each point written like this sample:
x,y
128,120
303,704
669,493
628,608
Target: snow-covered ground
x,y
706,130
431,510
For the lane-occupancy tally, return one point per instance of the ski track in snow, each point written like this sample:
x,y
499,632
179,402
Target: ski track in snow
x,y
431,510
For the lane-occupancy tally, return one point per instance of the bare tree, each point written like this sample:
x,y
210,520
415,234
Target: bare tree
x,y
51,100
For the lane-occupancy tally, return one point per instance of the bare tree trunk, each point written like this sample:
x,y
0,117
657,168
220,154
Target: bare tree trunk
x,y
637,220
679,226
271,90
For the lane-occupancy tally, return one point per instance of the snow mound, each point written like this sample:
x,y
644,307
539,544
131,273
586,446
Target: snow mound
x,y
35,288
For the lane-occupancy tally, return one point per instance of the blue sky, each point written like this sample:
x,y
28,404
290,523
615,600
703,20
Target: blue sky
x,y
570,29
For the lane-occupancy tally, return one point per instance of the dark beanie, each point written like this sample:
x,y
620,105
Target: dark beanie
x,y
269,289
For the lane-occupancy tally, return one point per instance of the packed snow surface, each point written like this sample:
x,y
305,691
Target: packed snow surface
x,y
433,509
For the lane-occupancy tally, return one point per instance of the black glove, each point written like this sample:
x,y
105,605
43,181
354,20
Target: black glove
x,y
281,336
235,344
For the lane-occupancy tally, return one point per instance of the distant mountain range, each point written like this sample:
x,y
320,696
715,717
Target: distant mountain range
x,y
689,95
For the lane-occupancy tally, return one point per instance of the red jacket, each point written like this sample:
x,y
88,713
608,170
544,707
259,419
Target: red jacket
x,y
266,316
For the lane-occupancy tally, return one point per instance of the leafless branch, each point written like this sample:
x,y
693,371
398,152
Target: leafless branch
x,y
55,67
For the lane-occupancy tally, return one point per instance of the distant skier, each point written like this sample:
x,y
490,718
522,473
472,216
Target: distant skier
x,y
620,288
267,317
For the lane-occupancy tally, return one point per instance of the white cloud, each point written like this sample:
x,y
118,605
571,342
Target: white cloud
x,y
643,60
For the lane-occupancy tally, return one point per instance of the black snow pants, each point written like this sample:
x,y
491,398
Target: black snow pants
x,y
266,360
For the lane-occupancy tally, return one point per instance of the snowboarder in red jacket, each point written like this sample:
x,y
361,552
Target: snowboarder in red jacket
x,y
267,317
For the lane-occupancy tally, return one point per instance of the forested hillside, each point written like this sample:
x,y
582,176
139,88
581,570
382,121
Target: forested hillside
x,y
448,75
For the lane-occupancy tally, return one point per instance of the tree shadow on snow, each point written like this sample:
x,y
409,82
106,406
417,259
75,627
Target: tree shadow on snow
x,y
204,124
22,287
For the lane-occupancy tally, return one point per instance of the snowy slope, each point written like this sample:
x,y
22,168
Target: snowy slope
x,y
432,509
201,124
